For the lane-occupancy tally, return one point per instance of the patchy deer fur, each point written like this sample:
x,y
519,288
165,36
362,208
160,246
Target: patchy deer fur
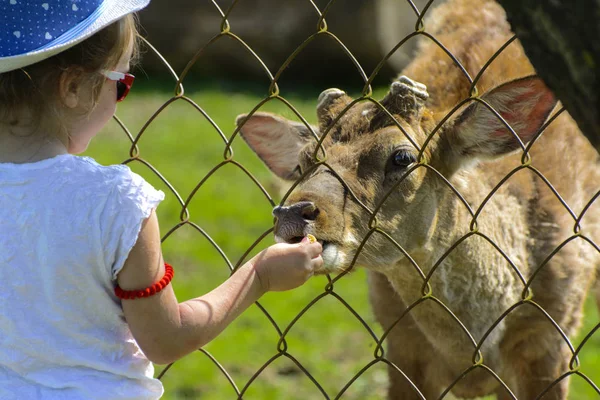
x,y
474,151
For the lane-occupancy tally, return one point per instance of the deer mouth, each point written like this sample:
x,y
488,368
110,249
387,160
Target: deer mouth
x,y
298,239
333,258
332,254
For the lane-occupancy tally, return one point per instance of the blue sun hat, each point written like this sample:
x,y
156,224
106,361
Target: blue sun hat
x,y
33,30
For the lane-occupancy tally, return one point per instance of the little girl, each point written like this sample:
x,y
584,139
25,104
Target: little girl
x,y
85,298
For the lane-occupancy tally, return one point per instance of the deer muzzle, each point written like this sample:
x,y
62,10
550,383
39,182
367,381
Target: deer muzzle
x,y
293,220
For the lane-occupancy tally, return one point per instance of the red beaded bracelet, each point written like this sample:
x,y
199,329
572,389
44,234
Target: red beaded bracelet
x,y
149,291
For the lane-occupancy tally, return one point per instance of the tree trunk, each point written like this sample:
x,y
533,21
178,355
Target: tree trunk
x,y
562,40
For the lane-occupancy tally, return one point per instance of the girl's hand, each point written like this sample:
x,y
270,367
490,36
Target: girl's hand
x,y
286,266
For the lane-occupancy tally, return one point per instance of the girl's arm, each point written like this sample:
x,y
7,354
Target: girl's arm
x,y
167,330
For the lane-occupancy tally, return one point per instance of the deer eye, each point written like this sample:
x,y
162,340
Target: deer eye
x,y
402,158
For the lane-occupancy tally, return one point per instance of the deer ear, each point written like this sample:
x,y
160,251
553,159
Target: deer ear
x,y
276,140
524,103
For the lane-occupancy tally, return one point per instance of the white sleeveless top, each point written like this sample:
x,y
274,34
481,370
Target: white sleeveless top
x,y
67,225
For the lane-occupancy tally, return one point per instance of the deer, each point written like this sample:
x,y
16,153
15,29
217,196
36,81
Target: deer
x,y
473,210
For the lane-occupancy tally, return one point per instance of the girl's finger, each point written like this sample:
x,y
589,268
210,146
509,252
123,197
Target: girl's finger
x,y
314,249
317,262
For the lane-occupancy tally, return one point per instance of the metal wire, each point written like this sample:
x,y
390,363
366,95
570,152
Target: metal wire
x,y
320,158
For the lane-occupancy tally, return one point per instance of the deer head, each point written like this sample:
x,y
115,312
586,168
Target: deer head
x,y
372,163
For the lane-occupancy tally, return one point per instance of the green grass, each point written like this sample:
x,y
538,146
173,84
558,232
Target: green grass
x,y
328,340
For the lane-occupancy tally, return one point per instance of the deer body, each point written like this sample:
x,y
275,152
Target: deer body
x,y
371,161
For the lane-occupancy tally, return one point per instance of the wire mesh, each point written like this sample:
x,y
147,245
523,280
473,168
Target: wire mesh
x,y
428,295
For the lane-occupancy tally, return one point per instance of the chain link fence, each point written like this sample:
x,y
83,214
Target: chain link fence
x,y
379,357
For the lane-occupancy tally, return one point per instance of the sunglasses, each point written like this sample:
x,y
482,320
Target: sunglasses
x,y
124,82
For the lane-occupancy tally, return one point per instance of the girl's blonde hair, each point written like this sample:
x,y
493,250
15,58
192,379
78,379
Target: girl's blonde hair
x,y
33,92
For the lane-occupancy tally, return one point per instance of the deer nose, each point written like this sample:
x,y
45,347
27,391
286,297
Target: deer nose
x,y
292,220
305,210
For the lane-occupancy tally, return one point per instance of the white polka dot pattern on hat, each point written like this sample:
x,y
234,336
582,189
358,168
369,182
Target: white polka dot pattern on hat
x,y
28,25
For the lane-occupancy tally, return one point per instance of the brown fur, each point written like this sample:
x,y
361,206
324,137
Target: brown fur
x,y
425,218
